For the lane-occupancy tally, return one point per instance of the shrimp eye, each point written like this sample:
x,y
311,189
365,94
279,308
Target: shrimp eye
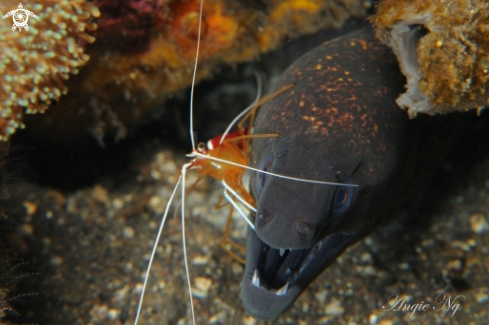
x,y
341,200
261,178
201,147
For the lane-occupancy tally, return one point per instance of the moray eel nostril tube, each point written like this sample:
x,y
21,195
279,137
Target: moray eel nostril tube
x,y
339,123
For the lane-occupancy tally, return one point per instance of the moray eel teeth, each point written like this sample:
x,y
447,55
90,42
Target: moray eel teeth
x,y
275,277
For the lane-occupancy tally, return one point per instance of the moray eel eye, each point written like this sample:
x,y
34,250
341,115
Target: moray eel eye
x,y
261,178
341,199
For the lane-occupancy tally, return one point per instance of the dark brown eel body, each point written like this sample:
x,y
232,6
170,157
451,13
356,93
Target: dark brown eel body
x,y
338,123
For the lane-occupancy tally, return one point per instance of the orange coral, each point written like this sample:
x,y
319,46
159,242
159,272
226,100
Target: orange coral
x,y
33,63
292,18
134,77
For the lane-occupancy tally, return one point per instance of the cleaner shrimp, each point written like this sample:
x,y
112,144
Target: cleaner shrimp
x,y
225,158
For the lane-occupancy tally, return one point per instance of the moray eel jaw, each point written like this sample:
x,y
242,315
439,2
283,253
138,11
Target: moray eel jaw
x,y
291,214
274,278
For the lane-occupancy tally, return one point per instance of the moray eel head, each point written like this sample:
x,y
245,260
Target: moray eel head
x,y
291,245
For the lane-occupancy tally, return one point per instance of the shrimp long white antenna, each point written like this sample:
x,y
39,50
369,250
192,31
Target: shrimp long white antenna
x,y
236,206
192,138
304,180
184,245
155,246
246,110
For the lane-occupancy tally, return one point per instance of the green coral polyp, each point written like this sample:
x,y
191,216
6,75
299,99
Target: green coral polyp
x,y
34,62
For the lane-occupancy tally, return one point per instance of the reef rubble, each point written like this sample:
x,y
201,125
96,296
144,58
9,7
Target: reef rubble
x,y
443,50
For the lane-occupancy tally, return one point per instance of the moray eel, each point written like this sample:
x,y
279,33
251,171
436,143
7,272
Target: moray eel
x,y
339,123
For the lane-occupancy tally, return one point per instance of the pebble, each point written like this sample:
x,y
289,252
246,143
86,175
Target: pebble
x,y
201,287
403,266
30,208
113,314
156,174
334,308
321,296
454,266
200,260
99,312
478,223
237,268
121,294
27,229
458,244
57,260
118,203
482,295
427,242
138,288
128,232
157,204
219,318
368,270
373,319
100,194
366,258
249,321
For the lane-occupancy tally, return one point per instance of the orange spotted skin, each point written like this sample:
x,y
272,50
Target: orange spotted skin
x,y
338,123
340,116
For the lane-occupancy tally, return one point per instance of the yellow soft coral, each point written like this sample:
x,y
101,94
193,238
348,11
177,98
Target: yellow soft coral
x,y
33,63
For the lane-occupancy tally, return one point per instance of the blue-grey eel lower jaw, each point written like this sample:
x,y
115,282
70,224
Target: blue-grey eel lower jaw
x,y
274,278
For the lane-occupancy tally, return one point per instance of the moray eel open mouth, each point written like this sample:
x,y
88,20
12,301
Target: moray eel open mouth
x,y
274,278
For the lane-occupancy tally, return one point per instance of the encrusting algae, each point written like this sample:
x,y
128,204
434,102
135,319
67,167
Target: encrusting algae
x,y
145,51
34,63
231,31
443,49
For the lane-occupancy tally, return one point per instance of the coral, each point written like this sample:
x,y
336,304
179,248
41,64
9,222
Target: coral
x,y
292,18
128,22
145,50
447,69
33,63
231,32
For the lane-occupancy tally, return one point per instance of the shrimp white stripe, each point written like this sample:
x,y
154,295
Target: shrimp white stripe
x,y
198,154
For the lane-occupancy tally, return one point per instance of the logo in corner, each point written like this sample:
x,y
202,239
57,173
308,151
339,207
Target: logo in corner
x,y
20,17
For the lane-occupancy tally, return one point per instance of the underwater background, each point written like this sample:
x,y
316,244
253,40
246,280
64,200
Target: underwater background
x,y
90,159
